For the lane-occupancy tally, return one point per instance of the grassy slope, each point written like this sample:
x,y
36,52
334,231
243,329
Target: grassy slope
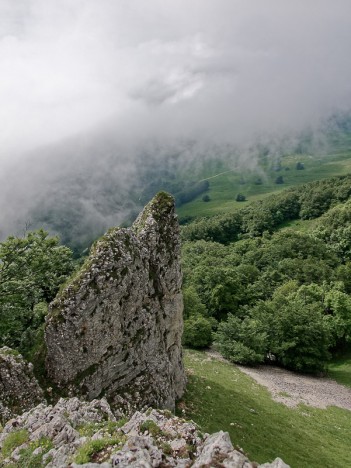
x,y
219,396
225,187
339,368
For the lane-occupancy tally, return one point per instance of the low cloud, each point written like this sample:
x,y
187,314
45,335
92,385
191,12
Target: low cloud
x,y
86,84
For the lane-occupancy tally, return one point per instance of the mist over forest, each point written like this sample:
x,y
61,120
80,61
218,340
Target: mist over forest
x,y
104,104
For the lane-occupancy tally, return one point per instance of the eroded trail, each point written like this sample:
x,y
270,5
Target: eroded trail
x,y
291,388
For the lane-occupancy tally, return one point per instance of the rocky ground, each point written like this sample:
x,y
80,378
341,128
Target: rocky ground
x,y
74,433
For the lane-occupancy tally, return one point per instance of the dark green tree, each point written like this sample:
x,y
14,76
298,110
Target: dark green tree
x,y
240,197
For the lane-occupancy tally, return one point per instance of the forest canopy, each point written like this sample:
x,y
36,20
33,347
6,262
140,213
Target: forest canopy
x,y
275,294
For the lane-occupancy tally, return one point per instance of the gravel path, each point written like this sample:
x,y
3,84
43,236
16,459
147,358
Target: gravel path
x,y
291,388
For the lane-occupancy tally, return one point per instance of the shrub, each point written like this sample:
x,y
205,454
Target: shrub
x,y
300,334
300,166
241,341
240,197
197,332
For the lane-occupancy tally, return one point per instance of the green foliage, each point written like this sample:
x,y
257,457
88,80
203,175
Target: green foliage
x,y
279,180
300,166
192,303
107,427
240,197
13,440
300,336
151,427
166,448
277,295
242,341
305,202
197,332
28,459
31,271
91,448
334,229
221,229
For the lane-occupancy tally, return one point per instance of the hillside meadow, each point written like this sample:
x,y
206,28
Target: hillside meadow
x,y
220,397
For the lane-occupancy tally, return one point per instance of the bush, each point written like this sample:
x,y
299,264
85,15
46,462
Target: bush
x,y
241,341
206,198
279,180
300,166
300,335
197,332
240,197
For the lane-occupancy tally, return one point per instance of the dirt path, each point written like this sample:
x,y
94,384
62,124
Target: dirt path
x,y
291,389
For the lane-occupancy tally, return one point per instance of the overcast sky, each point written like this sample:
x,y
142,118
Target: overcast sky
x,y
227,70
88,87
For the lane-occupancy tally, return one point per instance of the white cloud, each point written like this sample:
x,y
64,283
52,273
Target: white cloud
x,y
226,68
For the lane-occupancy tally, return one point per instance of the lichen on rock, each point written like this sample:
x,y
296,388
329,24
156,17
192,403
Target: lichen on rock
x,y
115,329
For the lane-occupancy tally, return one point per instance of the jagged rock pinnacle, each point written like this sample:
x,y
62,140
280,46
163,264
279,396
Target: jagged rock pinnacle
x,y
115,329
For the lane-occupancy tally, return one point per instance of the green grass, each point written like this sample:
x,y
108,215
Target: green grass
x,y
340,368
13,440
219,396
92,448
225,186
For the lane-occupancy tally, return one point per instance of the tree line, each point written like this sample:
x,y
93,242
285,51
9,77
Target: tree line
x,y
307,201
282,296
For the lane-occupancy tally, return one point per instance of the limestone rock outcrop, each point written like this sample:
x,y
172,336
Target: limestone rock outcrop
x,y
19,389
115,329
74,433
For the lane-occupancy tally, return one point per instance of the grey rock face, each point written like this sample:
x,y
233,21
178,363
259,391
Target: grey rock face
x,y
19,390
152,439
115,330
